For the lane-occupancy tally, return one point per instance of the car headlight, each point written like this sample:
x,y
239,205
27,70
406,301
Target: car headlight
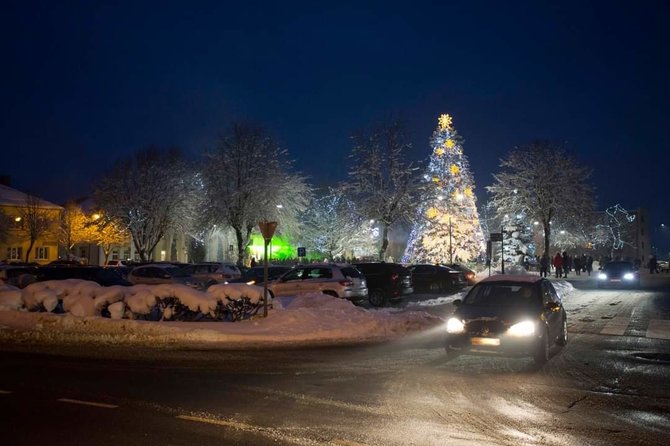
x,y
455,325
629,276
525,328
602,276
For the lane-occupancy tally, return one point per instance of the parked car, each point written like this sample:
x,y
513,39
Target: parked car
x,y
470,275
117,263
337,279
436,278
255,275
159,273
386,281
619,274
102,276
211,272
18,275
508,315
663,266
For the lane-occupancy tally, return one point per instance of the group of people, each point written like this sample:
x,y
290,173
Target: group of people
x,y
564,263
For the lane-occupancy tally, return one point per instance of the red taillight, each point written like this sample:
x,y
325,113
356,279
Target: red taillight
x,y
470,275
346,282
395,276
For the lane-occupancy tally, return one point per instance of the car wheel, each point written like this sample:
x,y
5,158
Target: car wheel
x,y
563,338
541,355
377,298
450,354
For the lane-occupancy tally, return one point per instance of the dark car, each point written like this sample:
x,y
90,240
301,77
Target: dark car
x,y
386,281
508,315
18,275
102,276
436,278
619,274
255,275
470,275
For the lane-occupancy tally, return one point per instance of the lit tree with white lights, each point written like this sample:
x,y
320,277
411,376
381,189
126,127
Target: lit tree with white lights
x,y
447,229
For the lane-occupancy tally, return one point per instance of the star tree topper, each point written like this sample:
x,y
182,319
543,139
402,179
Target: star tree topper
x,y
445,122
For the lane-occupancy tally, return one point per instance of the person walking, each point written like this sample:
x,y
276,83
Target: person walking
x,y
544,265
558,265
577,264
589,265
567,263
653,265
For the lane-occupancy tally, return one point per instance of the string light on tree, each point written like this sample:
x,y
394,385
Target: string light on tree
x,y
447,227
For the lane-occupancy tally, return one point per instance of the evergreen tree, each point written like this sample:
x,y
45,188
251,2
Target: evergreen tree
x,y
518,238
447,227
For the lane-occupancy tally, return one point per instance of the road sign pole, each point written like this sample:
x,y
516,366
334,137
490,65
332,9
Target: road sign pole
x,y
502,249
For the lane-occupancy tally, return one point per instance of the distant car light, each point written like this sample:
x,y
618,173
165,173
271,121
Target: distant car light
x,y
602,276
251,282
629,276
521,329
455,325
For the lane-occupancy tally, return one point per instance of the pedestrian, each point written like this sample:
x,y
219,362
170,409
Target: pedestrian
x,y
577,264
567,263
544,265
558,264
253,262
589,265
653,265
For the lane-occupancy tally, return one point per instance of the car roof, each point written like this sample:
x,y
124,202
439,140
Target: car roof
x,y
526,278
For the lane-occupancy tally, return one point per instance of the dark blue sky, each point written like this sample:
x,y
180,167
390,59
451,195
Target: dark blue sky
x,y
83,83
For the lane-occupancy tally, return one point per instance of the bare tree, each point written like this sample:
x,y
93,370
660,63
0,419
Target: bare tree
x,y
248,178
148,194
385,185
547,183
107,233
37,221
332,225
75,227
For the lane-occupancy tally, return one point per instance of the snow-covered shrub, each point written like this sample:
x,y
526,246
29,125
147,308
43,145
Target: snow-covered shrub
x,y
10,298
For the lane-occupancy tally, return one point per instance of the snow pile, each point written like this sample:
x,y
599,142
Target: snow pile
x,y
158,302
306,319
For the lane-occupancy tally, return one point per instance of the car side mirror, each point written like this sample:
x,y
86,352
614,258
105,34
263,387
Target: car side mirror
x,y
553,307
457,302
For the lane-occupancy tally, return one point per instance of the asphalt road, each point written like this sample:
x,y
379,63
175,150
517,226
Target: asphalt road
x,y
609,386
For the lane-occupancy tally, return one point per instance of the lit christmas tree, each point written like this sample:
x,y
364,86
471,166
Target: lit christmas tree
x,y
447,229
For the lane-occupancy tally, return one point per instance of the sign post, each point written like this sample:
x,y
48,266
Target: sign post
x,y
267,230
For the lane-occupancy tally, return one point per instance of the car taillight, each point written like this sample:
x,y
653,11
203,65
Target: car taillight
x,y
395,276
346,282
470,275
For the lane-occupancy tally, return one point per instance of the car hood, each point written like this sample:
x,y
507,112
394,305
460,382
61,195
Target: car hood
x,y
506,315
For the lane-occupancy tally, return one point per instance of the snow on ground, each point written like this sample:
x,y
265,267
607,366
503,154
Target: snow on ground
x,y
306,319
300,320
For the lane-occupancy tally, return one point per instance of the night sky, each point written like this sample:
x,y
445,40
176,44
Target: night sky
x,y
83,83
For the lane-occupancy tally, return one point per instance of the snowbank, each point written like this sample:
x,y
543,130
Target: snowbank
x,y
306,319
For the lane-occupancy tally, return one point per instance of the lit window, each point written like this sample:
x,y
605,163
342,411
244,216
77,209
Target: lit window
x,y
42,253
14,253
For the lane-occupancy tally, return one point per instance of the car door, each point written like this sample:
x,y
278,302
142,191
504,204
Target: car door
x,y
288,284
317,279
554,318
423,276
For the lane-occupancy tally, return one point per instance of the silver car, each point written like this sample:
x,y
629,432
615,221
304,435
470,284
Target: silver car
x,y
336,279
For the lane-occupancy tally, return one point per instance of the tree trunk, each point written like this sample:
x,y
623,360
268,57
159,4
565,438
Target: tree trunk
x,y
547,236
30,248
240,245
385,242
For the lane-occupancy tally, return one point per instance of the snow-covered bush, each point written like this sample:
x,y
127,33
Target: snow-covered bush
x,y
227,302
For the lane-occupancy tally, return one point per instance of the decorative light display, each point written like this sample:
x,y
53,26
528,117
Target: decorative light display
x,y
447,227
617,218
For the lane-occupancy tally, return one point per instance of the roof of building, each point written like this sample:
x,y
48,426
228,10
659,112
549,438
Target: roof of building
x,y
12,197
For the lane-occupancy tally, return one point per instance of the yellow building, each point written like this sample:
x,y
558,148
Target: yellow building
x,y
27,217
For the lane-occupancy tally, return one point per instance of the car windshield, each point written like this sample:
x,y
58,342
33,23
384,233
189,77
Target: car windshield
x,y
619,266
503,294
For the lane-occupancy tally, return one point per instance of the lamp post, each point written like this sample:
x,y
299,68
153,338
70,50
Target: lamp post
x,y
267,230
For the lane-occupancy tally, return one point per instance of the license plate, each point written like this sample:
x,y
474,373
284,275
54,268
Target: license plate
x,y
485,341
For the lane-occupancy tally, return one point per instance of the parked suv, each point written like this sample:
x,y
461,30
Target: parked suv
x,y
159,273
337,279
211,273
386,281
